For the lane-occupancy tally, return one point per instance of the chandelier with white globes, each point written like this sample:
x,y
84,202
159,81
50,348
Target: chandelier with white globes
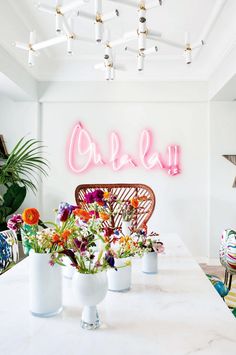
x,y
64,15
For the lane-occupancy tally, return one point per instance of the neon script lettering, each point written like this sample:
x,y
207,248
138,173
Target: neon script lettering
x,y
84,153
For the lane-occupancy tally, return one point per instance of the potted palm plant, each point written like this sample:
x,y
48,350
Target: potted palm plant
x,y
18,173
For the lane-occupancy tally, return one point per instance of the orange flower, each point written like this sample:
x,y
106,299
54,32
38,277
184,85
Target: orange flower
x,y
104,216
55,238
82,214
142,198
106,195
134,202
30,216
66,234
100,203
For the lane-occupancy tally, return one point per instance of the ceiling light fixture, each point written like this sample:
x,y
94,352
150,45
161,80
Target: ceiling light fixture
x,y
66,14
99,18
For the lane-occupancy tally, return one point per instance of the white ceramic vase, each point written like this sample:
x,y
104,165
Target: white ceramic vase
x,y
89,290
149,263
120,280
45,282
125,226
68,270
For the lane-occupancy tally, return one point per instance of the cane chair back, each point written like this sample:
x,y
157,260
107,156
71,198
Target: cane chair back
x,y
123,194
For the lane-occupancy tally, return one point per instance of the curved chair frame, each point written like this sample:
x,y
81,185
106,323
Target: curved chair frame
x,y
123,193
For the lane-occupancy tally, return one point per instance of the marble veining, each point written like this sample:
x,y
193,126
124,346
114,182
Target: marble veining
x,y
174,312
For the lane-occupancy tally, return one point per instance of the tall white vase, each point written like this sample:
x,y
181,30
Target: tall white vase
x,y
149,263
45,283
120,280
89,290
126,225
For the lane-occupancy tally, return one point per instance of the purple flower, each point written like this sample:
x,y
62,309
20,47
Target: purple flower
x,y
89,197
70,255
98,195
110,260
15,222
64,211
94,213
81,244
108,231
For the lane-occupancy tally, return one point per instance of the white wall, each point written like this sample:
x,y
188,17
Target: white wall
x,y
181,200
19,119
222,172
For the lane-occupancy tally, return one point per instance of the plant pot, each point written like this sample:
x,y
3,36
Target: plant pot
x,y
149,263
126,225
68,270
45,283
120,280
89,290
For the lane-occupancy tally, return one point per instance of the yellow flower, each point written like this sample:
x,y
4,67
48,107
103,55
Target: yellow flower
x,y
106,195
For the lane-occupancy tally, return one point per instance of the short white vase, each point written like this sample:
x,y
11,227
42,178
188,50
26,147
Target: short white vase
x,y
68,270
89,290
125,226
149,263
120,280
45,283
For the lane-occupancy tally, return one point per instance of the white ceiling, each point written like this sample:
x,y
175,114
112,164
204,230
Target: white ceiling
x,y
204,19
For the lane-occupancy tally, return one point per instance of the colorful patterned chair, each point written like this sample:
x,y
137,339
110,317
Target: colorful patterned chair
x,y
9,252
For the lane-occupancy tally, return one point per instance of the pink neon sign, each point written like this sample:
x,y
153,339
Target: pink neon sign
x,y
84,153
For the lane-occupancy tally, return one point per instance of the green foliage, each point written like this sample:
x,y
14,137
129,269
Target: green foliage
x,y
18,173
12,200
23,163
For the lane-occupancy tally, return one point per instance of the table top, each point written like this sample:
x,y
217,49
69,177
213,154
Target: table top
x,y
174,312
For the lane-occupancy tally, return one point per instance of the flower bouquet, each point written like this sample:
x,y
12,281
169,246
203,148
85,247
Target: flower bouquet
x,y
128,210
122,248
41,243
149,246
89,259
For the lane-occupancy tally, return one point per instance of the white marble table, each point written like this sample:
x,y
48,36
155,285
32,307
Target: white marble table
x,y
176,312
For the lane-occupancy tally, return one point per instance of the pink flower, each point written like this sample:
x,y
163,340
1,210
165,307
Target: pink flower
x,y
15,222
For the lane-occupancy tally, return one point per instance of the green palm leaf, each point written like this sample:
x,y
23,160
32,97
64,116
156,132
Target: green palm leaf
x,y
24,164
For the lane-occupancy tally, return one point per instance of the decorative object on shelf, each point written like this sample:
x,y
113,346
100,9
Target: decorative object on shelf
x,y
232,159
66,14
17,175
